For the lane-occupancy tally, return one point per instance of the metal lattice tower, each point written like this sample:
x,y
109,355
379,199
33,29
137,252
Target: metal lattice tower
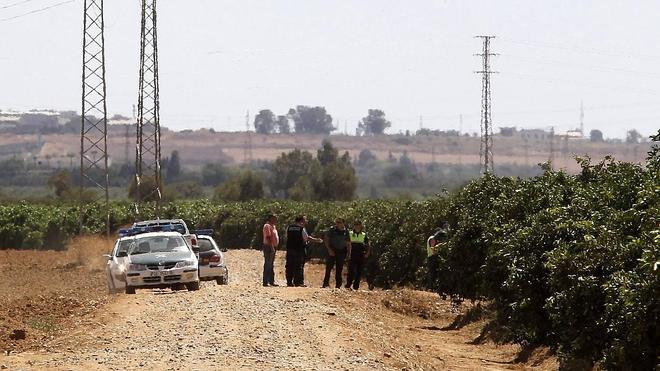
x,y
582,118
94,129
486,151
247,149
551,157
147,154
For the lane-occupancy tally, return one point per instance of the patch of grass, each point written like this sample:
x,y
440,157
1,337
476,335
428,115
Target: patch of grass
x,y
43,324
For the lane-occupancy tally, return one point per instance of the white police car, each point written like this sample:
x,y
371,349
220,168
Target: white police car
x,y
212,265
143,259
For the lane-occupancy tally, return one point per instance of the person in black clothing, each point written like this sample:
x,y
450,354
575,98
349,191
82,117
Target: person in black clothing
x,y
296,239
360,249
338,244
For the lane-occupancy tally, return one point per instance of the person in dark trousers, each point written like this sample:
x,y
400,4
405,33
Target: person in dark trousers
x,y
270,242
338,245
296,240
360,249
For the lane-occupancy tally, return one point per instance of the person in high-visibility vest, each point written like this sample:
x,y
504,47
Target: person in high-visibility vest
x,y
360,249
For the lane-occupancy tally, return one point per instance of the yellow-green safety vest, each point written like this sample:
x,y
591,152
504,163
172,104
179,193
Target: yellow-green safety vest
x,y
358,237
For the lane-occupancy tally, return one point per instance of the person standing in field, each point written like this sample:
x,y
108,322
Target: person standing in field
x,y
338,245
296,240
270,242
360,249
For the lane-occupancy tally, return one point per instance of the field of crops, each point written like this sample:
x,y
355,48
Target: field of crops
x,y
569,261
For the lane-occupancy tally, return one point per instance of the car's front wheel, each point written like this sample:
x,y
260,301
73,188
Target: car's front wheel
x,y
130,290
193,286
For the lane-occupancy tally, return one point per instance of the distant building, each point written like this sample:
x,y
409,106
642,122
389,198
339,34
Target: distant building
x,y
534,134
508,131
573,134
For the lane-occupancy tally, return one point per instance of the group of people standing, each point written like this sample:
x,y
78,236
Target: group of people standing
x,y
341,245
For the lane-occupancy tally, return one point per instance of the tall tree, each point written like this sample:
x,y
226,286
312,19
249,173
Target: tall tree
x,y
288,168
596,135
173,169
214,174
365,157
264,122
375,123
336,179
242,187
283,126
327,154
633,136
61,183
314,120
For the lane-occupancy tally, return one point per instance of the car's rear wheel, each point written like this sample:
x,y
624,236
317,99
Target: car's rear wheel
x,y
193,286
221,280
130,290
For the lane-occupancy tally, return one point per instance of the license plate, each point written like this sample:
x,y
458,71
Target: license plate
x,y
160,273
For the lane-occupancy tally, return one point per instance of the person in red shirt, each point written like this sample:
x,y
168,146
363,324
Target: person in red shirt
x,y
270,242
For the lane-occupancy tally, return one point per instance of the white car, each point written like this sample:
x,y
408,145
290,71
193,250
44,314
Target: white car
x,y
152,260
211,261
172,225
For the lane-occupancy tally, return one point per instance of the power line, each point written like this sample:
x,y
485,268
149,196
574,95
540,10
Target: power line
x,y
592,68
36,11
588,84
578,49
16,4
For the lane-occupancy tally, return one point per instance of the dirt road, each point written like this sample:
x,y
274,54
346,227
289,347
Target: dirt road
x,y
246,326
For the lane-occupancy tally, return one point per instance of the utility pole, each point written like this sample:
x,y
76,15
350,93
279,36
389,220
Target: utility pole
x,y
247,150
148,151
526,147
460,138
127,139
94,130
565,151
486,149
551,159
582,119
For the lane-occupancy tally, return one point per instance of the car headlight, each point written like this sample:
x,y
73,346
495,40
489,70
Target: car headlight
x,y
137,267
185,263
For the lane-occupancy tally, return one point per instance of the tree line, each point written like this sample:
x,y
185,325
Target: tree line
x,y
315,120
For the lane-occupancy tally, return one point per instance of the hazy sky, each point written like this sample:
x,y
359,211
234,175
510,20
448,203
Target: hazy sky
x,y
410,58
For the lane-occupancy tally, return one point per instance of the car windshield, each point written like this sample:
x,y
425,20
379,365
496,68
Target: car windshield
x,y
123,247
146,245
205,245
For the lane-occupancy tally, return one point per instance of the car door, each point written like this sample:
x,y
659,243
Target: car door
x,y
116,267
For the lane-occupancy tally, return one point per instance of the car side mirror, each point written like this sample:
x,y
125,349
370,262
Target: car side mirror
x,y
109,257
224,249
122,254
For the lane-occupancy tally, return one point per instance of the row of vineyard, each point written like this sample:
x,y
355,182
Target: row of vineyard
x,y
569,261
